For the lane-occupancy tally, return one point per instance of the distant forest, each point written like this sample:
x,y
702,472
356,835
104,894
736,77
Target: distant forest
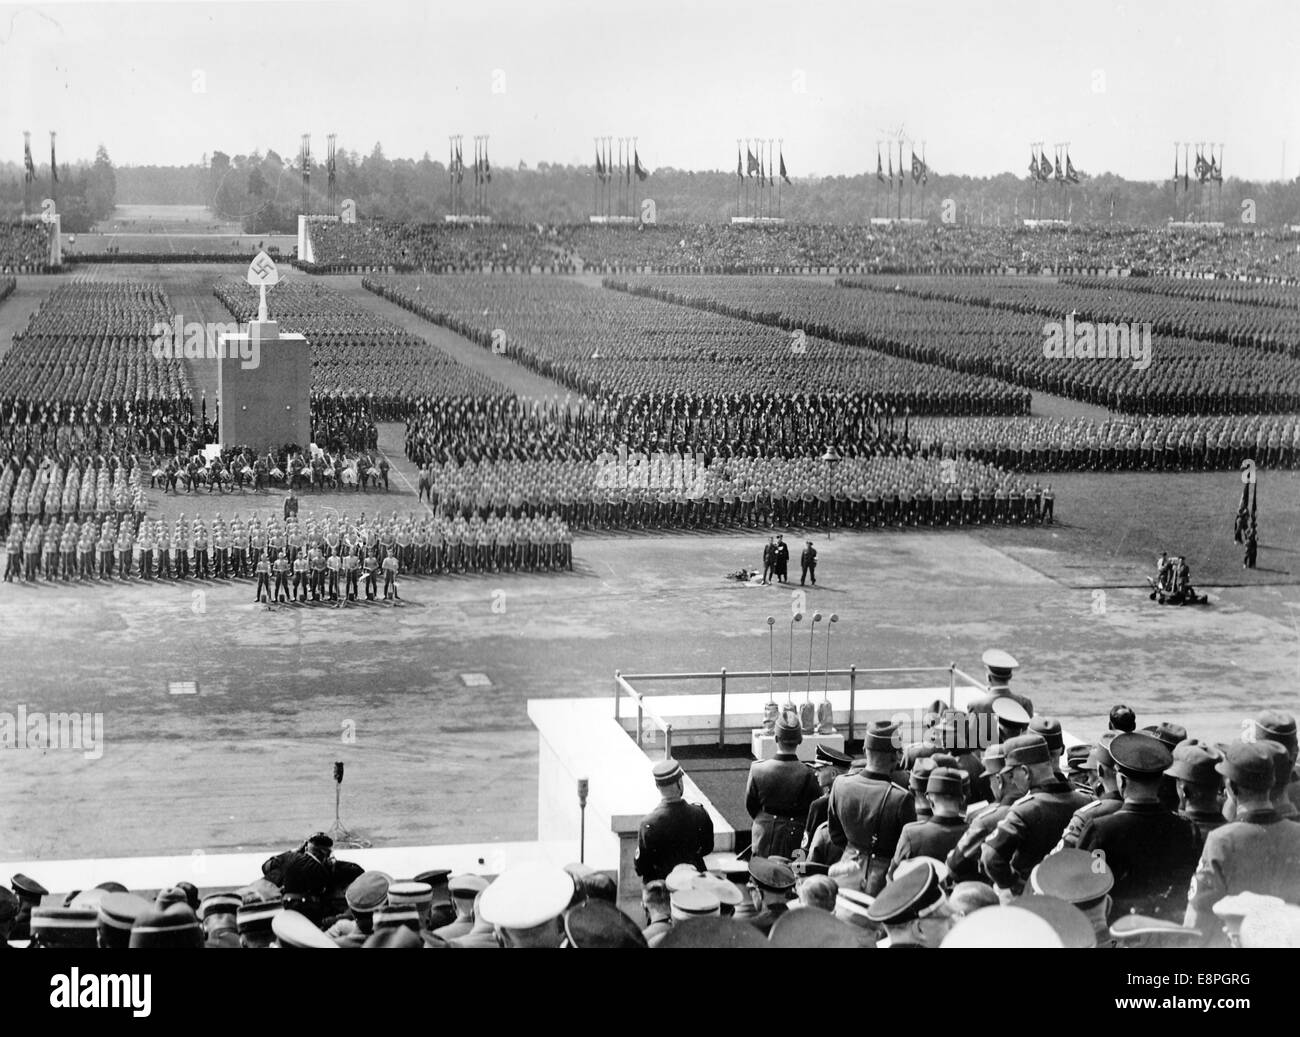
x,y
264,192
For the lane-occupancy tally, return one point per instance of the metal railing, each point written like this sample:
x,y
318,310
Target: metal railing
x,y
623,686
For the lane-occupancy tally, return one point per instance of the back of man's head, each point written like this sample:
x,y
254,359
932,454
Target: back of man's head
x,y
819,891
656,899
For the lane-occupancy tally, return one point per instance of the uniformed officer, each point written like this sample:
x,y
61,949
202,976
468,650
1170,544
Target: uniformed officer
x,y
217,915
1035,822
1151,850
980,825
29,893
939,834
1259,852
868,811
779,792
1080,879
675,832
280,567
526,905
999,666
389,566
263,572
1099,762
913,908
828,764
1199,786
464,891
1274,726
771,884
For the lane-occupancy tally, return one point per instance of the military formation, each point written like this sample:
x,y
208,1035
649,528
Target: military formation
x,y
329,557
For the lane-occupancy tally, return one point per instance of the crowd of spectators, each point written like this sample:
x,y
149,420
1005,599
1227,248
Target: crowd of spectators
x,y
1144,838
24,247
795,247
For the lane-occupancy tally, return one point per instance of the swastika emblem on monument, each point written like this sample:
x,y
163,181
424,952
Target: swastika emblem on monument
x,y
262,271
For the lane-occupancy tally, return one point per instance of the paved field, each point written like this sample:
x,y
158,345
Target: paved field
x,y
433,756
284,693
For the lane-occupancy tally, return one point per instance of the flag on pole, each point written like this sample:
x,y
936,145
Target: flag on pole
x,y
891,169
1175,169
1071,177
880,168
641,172
783,173
54,166
28,165
600,169
1044,168
1033,164
460,164
918,169
751,166
487,166
1216,174
740,169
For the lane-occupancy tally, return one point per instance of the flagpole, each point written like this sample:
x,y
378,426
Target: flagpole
x,y
54,172
636,175
27,173
925,175
740,180
780,174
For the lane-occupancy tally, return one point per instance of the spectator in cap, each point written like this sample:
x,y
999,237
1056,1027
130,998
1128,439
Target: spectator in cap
x,y
1067,921
365,895
1033,825
779,793
464,891
526,904
191,892
600,925
1050,729
64,927
8,912
868,810
1232,911
172,927
656,903
1259,852
1171,736
1012,718
937,835
482,936
913,909
1005,790
999,666
293,929
306,878
827,766
771,884
1199,786
675,832
1273,726
217,916
117,915
1002,927
29,893
1151,850
254,923
1122,719
916,782
1138,931
417,895
1099,762
1079,879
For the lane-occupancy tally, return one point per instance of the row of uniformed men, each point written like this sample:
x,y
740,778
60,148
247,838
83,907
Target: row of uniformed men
x,y
424,546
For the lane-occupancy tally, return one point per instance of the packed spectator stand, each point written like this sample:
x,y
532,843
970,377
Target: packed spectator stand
x,y
975,843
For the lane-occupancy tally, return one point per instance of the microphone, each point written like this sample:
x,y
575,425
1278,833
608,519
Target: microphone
x,y
583,786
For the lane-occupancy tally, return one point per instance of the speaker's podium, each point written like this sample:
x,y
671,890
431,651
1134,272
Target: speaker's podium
x,y
264,378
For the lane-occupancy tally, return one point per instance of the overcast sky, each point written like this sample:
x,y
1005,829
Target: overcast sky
x,y
977,80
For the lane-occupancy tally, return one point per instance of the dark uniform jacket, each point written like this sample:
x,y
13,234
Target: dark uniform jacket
x,y
817,815
1029,832
675,832
782,787
1204,821
978,828
778,795
1259,853
867,814
935,838
1152,853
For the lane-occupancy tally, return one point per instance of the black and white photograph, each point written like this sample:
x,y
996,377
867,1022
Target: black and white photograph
x,y
582,475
